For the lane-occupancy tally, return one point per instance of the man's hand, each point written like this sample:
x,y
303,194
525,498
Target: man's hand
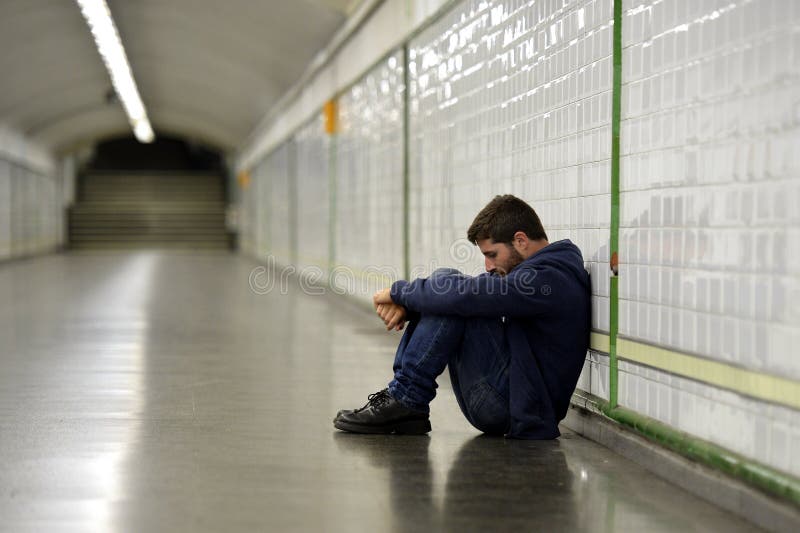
x,y
382,297
393,315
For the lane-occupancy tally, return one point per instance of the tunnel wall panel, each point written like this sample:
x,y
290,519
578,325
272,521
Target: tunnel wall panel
x,y
369,181
709,241
516,97
32,202
313,197
511,98
261,193
278,199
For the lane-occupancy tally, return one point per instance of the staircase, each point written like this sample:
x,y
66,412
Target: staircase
x,y
127,210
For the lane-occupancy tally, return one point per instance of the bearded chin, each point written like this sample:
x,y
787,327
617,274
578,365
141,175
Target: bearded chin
x,y
514,259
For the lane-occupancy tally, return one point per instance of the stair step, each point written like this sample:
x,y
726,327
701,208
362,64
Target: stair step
x,y
111,245
152,215
154,209
145,238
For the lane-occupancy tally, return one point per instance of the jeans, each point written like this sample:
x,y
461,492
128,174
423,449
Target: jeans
x,y
476,352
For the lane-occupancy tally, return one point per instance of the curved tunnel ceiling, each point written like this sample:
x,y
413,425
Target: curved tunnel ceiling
x,y
206,69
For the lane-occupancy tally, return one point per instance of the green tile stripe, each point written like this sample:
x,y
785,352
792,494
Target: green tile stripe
x,y
733,464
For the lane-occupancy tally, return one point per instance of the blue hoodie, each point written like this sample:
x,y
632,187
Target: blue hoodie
x,y
546,300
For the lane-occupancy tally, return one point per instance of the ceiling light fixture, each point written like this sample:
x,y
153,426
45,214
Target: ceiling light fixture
x,y
110,47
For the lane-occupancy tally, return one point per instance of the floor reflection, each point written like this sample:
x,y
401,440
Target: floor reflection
x,y
496,484
492,483
518,484
407,461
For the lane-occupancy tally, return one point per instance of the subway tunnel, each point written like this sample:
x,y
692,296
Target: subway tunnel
x,y
200,200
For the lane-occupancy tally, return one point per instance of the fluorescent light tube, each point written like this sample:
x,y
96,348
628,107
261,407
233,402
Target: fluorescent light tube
x,y
110,47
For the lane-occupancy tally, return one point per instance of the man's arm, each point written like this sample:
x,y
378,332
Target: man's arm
x,y
526,292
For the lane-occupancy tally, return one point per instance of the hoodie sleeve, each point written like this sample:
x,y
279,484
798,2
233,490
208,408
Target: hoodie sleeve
x,y
527,291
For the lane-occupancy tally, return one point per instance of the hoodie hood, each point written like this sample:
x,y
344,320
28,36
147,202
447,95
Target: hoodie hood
x,y
563,254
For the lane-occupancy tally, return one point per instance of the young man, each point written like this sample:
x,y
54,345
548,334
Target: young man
x,y
514,338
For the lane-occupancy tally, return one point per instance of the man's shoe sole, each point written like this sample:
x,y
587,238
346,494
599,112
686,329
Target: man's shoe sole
x,y
403,427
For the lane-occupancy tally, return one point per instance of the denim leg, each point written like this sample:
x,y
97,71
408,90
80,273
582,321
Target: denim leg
x,y
479,374
425,350
423,353
477,353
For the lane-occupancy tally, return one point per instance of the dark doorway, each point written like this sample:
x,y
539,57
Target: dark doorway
x,y
164,154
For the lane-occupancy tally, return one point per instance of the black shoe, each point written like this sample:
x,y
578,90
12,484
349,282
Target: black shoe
x,y
343,412
383,414
351,411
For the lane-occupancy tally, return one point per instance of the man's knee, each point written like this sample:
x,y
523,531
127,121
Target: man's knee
x,y
444,271
443,280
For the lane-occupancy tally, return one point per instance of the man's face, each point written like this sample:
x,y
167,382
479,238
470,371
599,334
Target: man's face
x,y
499,257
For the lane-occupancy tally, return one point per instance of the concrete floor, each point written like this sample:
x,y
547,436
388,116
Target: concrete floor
x,y
154,391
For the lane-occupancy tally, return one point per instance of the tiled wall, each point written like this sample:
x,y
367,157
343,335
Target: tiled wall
x,y
262,217
340,210
312,144
266,219
31,204
369,181
709,239
515,97
250,212
277,196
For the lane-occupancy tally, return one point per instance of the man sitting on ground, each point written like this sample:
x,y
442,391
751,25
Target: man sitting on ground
x,y
514,338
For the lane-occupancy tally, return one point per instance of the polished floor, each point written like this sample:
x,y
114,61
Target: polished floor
x,y
155,391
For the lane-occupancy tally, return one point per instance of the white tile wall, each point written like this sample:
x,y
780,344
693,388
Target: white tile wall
x,y
249,210
31,198
5,209
265,209
710,169
277,197
369,182
21,213
31,213
767,433
261,185
594,377
708,244
313,197
512,97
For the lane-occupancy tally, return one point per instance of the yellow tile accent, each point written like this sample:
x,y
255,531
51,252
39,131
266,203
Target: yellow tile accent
x,y
331,111
598,341
244,179
755,384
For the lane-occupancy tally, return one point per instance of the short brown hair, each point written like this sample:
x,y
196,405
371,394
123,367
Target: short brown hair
x,y
502,218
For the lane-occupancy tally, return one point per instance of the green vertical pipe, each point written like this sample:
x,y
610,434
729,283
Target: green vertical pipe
x,y
616,98
406,162
613,368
